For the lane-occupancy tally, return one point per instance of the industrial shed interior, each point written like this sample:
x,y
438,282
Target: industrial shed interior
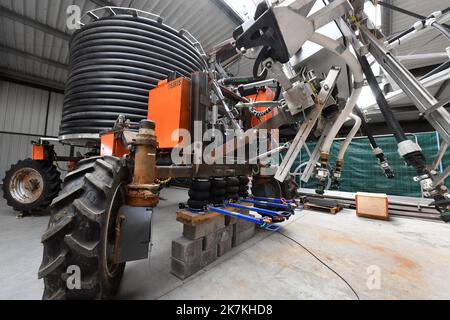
x,y
317,167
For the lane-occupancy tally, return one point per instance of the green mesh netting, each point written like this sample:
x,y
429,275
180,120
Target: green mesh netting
x,y
363,174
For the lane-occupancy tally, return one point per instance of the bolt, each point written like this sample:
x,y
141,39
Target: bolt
x,y
269,65
326,87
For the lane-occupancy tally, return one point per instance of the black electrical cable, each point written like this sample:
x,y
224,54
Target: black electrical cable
x,y
442,67
277,92
412,14
388,115
322,262
408,12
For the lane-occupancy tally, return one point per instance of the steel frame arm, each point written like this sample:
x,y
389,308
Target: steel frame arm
x,y
439,118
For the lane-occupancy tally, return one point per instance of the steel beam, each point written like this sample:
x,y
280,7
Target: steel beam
x,y
419,95
5,12
31,80
27,55
233,15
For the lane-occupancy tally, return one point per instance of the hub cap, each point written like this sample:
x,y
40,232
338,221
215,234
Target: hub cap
x,y
26,185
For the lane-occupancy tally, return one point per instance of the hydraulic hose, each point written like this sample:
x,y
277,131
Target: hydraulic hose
x,y
349,137
358,79
366,128
388,115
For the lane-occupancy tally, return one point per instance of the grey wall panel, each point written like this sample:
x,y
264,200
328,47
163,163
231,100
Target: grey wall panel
x,y
22,109
14,148
54,114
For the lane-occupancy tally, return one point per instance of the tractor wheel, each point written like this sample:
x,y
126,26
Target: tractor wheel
x,y
30,186
81,232
272,188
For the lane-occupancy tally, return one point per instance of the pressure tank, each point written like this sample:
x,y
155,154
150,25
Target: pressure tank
x,y
115,60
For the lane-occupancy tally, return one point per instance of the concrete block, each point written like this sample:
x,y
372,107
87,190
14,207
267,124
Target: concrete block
x,y
230,220
203,229
187,250
240,237
211,241
226,242
242,225
209,256
183,270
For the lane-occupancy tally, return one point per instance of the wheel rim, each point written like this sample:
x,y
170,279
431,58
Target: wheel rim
x,y
26,185
117,201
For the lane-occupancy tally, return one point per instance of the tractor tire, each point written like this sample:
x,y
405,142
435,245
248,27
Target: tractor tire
x,y
81,231
30,186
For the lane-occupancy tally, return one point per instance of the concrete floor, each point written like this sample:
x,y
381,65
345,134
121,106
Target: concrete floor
x,y
408,259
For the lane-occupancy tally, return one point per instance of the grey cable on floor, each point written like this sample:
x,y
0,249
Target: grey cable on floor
x,y
323,263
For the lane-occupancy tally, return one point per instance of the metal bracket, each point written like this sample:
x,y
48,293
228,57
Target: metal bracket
x,y
134,236
308,125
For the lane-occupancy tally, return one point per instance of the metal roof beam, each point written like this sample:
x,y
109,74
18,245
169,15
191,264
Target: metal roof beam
x,y
5,12
103,3
31,80
30,56
233,15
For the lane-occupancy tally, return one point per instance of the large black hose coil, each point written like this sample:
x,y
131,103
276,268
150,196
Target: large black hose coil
x,y
114,62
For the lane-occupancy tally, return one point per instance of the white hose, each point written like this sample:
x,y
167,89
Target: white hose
x,y
350,136
358,78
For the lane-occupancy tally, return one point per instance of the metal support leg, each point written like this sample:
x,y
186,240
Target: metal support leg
x,y
264,212
265,223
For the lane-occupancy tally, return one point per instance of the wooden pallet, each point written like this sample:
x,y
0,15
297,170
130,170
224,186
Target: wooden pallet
x,y
313,207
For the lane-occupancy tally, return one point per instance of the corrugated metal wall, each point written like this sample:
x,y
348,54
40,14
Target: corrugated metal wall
x,y
26,114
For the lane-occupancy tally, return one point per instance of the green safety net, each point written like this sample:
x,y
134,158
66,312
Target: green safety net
x,y
362,172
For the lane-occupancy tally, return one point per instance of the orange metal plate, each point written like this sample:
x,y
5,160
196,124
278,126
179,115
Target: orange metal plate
x,y
169,108
110,146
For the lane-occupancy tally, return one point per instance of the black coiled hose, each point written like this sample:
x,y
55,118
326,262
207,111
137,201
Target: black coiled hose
x,y
114,62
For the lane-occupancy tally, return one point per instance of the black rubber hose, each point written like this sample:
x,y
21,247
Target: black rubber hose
x,y
277,95
388,115
114,63
367,129
263,54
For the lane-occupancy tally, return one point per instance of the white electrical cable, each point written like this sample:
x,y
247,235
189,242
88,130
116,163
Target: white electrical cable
x,y
350,136
358,79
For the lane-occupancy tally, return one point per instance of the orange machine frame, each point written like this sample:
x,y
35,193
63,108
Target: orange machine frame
x,y
112,146
169,108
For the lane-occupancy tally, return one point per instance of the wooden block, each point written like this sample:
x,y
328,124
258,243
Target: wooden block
x,y
193,219
372,206
196,218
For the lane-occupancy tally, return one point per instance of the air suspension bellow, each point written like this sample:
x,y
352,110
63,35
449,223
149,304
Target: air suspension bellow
x,y
114,61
